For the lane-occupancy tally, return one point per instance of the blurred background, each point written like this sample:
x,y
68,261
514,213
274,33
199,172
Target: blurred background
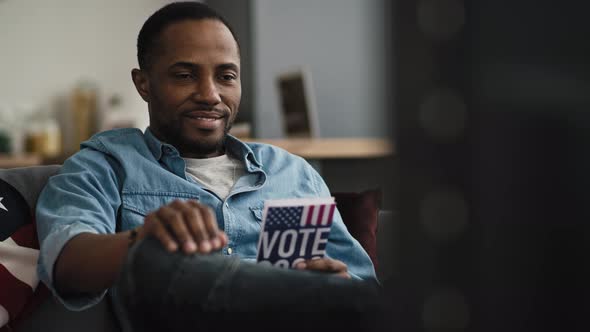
x,y
51,49
486,104
65,75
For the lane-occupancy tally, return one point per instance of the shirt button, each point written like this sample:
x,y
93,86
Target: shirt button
x,y
229,251
226,205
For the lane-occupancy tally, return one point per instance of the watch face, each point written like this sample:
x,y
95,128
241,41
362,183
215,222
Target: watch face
x,y
14,210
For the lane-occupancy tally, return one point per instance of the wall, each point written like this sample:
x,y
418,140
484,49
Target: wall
x,y
48,46
344,44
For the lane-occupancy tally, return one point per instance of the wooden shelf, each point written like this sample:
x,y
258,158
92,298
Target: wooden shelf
x,y
332,148
25,160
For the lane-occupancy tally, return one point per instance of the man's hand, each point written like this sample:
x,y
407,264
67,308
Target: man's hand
x,y
325,265
184,224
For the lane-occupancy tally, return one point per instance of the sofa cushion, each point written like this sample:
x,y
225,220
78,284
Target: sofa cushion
x,y
360,213
19,247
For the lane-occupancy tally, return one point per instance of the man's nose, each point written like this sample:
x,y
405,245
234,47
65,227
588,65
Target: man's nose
x,y
207,92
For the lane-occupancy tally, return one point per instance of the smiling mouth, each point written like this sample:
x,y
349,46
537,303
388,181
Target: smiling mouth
x,y
204,115
204,118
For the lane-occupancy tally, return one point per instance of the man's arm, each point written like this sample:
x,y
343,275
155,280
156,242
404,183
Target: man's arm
x,y
81,255
90,263
81,200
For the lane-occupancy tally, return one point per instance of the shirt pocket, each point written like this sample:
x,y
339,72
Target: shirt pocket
x,y
136,205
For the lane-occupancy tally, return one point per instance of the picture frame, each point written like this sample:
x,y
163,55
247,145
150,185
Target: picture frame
x,y
297,103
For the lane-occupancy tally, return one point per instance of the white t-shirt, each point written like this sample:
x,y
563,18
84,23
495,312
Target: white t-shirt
x,y
218,174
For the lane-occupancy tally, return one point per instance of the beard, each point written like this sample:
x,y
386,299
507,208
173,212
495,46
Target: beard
x,y
179,135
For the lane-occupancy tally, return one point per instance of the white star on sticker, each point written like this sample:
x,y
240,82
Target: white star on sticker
x,y
2,206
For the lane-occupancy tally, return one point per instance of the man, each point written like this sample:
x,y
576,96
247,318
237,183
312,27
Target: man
x,y
187,186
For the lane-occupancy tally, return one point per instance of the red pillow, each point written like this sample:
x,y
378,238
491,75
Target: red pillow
x,y
360,213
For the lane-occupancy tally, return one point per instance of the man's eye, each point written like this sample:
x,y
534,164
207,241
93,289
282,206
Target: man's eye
x,y
183,76
228,77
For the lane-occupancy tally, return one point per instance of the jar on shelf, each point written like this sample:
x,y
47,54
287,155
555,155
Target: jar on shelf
x,y
84,108
43,136
5,142
13,121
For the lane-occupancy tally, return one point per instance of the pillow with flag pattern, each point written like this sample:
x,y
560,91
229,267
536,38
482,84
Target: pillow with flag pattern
x,y
20,291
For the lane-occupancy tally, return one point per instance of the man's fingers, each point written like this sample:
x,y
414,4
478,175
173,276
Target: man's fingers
x,y
223,237
187,224
174,220
209,223
326,265
195,224
153,226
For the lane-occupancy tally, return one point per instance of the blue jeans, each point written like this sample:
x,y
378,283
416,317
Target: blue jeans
x,y
161,291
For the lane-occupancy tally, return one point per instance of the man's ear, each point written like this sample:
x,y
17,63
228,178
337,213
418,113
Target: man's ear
x,y
142,83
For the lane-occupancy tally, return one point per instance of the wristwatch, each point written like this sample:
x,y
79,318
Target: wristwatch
x,y
133,236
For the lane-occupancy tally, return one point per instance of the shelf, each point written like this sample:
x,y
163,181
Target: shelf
x,y
12,161
332,148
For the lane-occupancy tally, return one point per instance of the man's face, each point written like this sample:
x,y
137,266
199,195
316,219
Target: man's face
x,y
193,86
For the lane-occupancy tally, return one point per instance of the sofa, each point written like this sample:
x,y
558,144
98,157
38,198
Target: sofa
x,y
33,308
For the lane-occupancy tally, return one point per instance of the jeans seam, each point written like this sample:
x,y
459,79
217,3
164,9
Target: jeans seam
x,y
177,268
225,278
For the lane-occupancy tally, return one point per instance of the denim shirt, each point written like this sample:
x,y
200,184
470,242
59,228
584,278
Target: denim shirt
x,y
120,176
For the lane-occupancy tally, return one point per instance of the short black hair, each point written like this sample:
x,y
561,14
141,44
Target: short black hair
x,y
172,13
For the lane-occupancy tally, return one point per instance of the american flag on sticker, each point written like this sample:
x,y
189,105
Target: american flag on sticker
x,y
294,230
317,215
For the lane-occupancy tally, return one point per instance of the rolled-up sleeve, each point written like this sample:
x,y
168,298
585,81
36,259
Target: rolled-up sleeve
x,y
82,198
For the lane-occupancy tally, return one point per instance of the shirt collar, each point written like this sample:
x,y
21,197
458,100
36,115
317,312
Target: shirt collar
x,y
232,145
155,145
238,148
